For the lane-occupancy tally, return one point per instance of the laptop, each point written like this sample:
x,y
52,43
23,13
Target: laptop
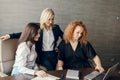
x,y
95,75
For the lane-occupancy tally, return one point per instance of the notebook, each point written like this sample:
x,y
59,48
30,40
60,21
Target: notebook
x,y
72,74
95,75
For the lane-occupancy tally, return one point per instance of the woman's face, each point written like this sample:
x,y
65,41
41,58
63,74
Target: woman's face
x,y
50,21
37,36
77,32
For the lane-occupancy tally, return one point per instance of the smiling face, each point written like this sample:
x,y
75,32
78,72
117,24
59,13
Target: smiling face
x,y
47,18
77,33
49,22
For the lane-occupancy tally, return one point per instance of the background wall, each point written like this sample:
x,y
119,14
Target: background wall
x,y
102,18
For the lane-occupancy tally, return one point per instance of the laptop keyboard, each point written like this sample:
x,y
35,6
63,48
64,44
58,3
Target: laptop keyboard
x,y
100,77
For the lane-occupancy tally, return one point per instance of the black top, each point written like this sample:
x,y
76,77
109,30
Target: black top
x,y
78,58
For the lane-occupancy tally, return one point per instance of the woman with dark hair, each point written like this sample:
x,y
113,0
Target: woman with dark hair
x,y
75,50
46,46
26,54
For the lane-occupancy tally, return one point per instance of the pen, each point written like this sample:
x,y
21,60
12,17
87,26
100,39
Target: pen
x,y
62,76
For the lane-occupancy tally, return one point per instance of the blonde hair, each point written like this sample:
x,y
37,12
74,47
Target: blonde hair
x,y
68,33
46,13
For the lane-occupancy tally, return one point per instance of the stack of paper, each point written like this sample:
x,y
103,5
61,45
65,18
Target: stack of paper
x,y
50,77
72,74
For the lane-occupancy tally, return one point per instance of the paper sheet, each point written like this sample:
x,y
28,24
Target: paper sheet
x,y
50,77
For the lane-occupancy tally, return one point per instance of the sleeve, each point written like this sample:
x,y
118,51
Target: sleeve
x,y
90,52
61,51
38,48
15,35
60,32
21,59
38,44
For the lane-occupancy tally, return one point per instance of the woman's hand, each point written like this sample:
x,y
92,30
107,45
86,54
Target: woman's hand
x,y
98,64
56,49
41,73
100,68
60,65
6,37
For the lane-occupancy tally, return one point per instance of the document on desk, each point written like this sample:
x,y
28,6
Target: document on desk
x,y
50,77
72,74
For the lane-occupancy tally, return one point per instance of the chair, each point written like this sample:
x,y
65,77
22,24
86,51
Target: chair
x,y
7,55
3,74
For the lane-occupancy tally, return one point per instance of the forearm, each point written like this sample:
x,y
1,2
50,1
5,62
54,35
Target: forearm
x,y
15,35
97,61
11,36
26,70
60,65
98,64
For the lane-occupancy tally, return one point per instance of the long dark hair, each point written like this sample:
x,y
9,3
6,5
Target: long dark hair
x,y
30,31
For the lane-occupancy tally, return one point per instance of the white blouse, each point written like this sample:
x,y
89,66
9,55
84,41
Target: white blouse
x,y
25,58
48,39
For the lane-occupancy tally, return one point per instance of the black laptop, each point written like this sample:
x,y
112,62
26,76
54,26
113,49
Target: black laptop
x,y
95,75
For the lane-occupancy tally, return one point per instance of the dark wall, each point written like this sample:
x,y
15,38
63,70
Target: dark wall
x,y
102,18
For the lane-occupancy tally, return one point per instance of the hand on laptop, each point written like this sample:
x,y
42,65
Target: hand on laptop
x,y
99,68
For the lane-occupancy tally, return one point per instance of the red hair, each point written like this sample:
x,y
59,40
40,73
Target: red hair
x,y
68,33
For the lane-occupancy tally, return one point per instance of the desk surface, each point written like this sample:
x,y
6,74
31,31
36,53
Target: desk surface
x,y
55,73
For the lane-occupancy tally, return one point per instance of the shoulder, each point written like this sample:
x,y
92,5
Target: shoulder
x,y
22,45
56,26
22,48
87,45
62,43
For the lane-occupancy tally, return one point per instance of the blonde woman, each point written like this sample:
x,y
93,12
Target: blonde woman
x,y
47,44
75,50
49,36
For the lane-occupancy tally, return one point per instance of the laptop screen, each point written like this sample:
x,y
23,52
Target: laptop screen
x,y
110,71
